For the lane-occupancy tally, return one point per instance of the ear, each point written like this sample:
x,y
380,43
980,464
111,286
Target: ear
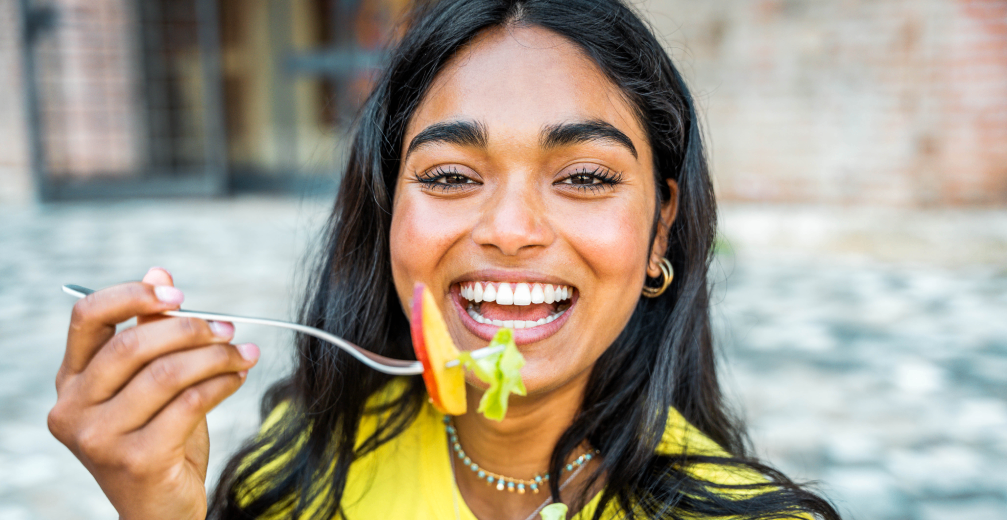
x,y
669,210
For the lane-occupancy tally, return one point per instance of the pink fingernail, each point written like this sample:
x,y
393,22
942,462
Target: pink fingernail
x,y
168,294
243,373
249,351
161,268
222,329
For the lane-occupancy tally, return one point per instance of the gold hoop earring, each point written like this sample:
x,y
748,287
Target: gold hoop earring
x,y
667,273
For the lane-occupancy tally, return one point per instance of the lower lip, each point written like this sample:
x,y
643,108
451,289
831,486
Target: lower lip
x,y
521,336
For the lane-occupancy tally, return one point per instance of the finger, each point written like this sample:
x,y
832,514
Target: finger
x,y
95,316
156,276
197,447
168,376
130,350
173,426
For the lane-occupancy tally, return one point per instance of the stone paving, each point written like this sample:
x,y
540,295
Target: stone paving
x,y
868,351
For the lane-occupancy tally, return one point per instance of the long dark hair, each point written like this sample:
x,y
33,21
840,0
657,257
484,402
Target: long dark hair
x,y
664,357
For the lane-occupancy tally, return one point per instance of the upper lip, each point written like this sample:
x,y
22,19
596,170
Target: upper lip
x,y
496,275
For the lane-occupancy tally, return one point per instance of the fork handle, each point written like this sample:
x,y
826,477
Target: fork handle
x,y
396,367
387,365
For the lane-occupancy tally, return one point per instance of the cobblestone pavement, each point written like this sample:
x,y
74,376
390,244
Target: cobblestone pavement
x,y
867,357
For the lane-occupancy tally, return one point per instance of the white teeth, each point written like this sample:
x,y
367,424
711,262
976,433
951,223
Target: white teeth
x,y
537,296
512,324
522,294
504,294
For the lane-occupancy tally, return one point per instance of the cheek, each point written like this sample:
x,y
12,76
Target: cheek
x,y
610,243
420,240
613,243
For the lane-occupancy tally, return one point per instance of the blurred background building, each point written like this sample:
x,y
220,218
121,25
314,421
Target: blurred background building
x,y
123,98
895,102
859,150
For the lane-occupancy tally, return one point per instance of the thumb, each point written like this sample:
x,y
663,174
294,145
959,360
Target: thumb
x,y
155,276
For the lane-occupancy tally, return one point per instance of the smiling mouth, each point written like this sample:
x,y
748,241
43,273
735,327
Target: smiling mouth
x,y
515,305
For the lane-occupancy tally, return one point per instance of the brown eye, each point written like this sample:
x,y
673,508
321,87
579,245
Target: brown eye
x,y
446,179
455,178
593,180
583,179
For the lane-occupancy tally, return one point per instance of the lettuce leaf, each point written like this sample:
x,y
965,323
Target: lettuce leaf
x,y
501,371
554,512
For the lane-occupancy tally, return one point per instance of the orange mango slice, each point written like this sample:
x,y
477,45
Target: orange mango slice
x,y
434,348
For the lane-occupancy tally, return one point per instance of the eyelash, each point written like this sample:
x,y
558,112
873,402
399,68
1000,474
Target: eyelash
x,y
607,178
433,179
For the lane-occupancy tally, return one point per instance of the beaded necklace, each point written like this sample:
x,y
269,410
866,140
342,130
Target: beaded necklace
x,y
513,485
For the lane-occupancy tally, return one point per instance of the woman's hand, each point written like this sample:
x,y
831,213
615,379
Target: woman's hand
x,y
132,406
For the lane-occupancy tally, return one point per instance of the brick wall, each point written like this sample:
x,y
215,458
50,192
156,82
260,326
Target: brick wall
x,y
892,102
14,177
889,102
88,90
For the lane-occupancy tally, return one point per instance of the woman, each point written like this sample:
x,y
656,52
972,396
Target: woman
x,y
546,147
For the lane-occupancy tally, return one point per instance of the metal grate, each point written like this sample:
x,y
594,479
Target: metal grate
x,y
121,98
194,97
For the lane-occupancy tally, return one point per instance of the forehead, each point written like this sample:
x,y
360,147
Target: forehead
x,y
518,80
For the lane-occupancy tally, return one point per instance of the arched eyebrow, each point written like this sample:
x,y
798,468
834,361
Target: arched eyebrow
x,y
465,133
473,133
565,134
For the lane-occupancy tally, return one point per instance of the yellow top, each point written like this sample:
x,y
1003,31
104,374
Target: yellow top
x,y
410,477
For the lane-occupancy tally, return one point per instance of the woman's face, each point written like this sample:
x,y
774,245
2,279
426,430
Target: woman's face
x,y
527,182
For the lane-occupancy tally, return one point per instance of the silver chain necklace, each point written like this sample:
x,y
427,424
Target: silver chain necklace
x,y
548,500
503,482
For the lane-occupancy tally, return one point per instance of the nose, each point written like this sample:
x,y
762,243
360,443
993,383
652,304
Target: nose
x,y
514,221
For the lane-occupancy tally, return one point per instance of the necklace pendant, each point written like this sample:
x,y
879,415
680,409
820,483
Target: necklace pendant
x,y
501,482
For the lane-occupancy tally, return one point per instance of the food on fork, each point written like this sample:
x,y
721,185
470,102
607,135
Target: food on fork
x,y
446,386
502,371
434,348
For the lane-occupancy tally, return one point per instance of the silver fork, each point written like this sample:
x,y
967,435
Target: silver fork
x,y
398,367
